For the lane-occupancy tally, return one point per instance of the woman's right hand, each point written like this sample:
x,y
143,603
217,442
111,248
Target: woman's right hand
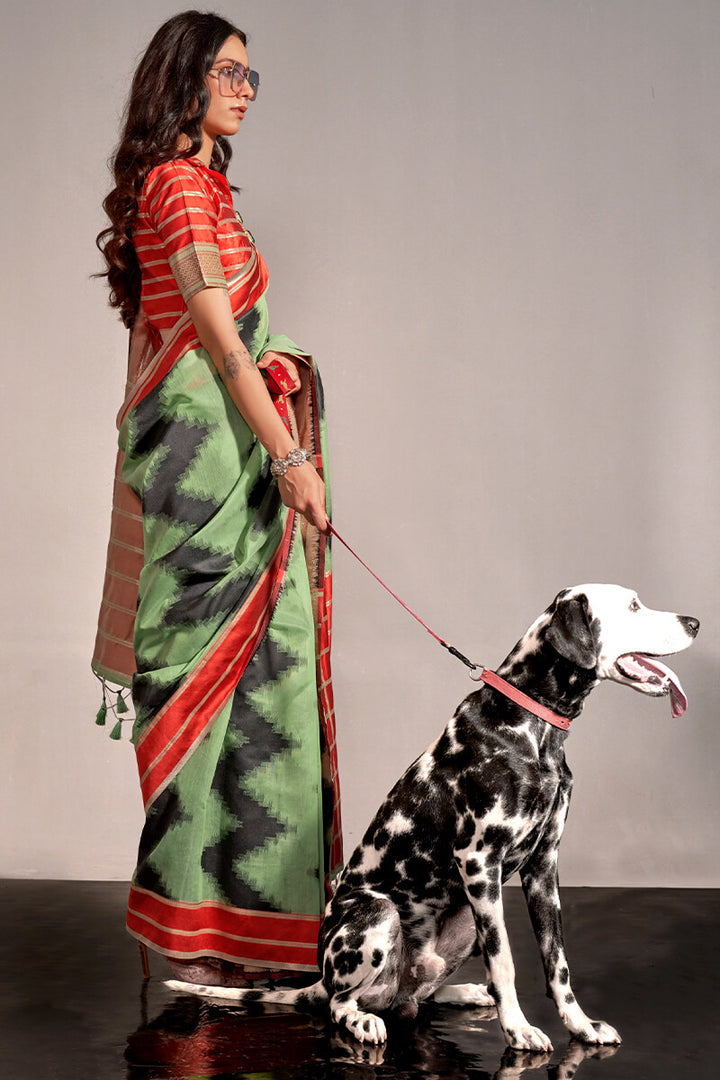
x,y
302,489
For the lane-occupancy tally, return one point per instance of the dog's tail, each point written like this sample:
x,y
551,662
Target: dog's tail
x,y
298,998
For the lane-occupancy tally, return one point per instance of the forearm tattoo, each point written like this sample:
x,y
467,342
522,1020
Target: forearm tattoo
x,y
236,361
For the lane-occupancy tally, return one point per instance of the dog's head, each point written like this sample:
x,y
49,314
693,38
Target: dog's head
x,y
608,629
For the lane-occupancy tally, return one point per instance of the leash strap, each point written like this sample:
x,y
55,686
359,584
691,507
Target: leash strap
x,y
486,676
450,648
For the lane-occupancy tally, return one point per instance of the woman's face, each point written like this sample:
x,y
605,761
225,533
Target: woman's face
x,y
226,109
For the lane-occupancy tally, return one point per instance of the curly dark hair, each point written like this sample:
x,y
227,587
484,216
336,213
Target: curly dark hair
x,y
168,100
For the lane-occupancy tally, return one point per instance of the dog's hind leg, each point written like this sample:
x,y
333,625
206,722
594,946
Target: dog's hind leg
x,y
361,965
455,944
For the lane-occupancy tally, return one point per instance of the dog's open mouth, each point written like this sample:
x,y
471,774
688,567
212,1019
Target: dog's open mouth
x,y
656,677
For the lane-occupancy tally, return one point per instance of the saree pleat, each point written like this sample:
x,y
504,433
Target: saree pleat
x,y
229,607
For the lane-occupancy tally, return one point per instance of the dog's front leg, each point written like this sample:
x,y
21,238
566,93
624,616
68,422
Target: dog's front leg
x,y
541,887
482,880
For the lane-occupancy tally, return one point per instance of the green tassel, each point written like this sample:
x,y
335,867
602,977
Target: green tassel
x,y
101,714
116,732
121,707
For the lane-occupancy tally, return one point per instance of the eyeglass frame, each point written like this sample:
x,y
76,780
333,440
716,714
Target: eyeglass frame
x,y
252,78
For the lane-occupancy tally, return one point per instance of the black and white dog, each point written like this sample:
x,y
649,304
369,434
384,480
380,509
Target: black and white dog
x,y
423,889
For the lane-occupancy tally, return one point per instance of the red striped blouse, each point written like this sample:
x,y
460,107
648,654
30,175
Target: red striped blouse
x,y
188,237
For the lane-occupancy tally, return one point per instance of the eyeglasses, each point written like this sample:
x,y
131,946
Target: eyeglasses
x,y
230,79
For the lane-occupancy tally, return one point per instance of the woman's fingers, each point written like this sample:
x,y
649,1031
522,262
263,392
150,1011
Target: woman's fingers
x,y
287,361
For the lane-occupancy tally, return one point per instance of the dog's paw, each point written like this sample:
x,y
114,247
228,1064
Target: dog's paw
x,y
365,1027
470,994
598,1033
526,1037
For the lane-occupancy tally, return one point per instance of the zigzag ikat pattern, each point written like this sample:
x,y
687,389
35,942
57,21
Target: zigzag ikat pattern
x,y
195,555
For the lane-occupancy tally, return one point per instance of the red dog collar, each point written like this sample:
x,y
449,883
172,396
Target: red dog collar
x,y
523,700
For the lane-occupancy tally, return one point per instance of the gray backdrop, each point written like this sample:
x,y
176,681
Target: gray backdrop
x,y
495,223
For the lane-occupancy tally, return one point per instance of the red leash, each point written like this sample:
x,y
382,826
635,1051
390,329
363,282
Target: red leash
x,y
485,675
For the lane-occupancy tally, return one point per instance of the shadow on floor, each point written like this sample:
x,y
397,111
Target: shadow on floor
x,y
73,1002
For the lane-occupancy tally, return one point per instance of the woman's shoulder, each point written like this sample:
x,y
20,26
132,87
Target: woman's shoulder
x,y
181,170
176,178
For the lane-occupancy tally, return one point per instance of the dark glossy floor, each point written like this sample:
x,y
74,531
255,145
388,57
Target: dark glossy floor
x,y
73,1003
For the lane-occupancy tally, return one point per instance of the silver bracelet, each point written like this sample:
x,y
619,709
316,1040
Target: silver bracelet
x,y
297,456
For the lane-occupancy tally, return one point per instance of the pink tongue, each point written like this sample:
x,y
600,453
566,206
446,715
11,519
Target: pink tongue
x,y
647,670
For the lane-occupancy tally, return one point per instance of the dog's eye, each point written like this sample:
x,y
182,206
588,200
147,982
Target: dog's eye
x,y
634,604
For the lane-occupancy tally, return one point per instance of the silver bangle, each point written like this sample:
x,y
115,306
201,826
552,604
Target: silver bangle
x,y
297,456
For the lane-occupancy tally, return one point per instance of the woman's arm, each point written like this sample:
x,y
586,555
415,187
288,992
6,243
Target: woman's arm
x,y
301,488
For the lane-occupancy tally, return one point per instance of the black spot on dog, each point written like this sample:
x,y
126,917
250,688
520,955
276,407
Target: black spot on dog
x,y
570,999
553,954
466,831
377,957
564,976
435,890
353,879
418,868
252,996
491,942
477,890
347,962
400,847
497,838
454,756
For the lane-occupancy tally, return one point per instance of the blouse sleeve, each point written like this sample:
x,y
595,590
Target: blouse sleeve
x,y
185,217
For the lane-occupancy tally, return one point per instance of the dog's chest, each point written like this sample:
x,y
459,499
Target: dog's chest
x,y
512,796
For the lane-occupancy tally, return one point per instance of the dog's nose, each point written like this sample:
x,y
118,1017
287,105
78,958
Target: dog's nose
x,y
691,625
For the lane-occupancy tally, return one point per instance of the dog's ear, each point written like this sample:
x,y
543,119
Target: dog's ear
x,y
570,631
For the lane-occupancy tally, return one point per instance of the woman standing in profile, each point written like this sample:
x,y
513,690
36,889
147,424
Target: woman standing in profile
x,y
220,513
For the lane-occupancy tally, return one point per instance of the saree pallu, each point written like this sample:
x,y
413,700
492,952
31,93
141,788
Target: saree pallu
x,y
234,729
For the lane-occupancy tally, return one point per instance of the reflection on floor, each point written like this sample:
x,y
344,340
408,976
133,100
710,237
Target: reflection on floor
x,y
73,1003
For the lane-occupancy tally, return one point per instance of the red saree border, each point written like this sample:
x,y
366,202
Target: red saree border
x,y
210,928
309,423
172,736
326,707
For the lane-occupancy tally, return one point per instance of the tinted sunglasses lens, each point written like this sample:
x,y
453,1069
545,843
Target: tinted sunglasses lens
x,y
254,79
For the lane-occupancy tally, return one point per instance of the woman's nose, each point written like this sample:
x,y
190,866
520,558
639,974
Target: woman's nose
x,y
245,90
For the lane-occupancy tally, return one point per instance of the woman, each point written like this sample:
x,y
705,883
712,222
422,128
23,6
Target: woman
x,y
222,447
